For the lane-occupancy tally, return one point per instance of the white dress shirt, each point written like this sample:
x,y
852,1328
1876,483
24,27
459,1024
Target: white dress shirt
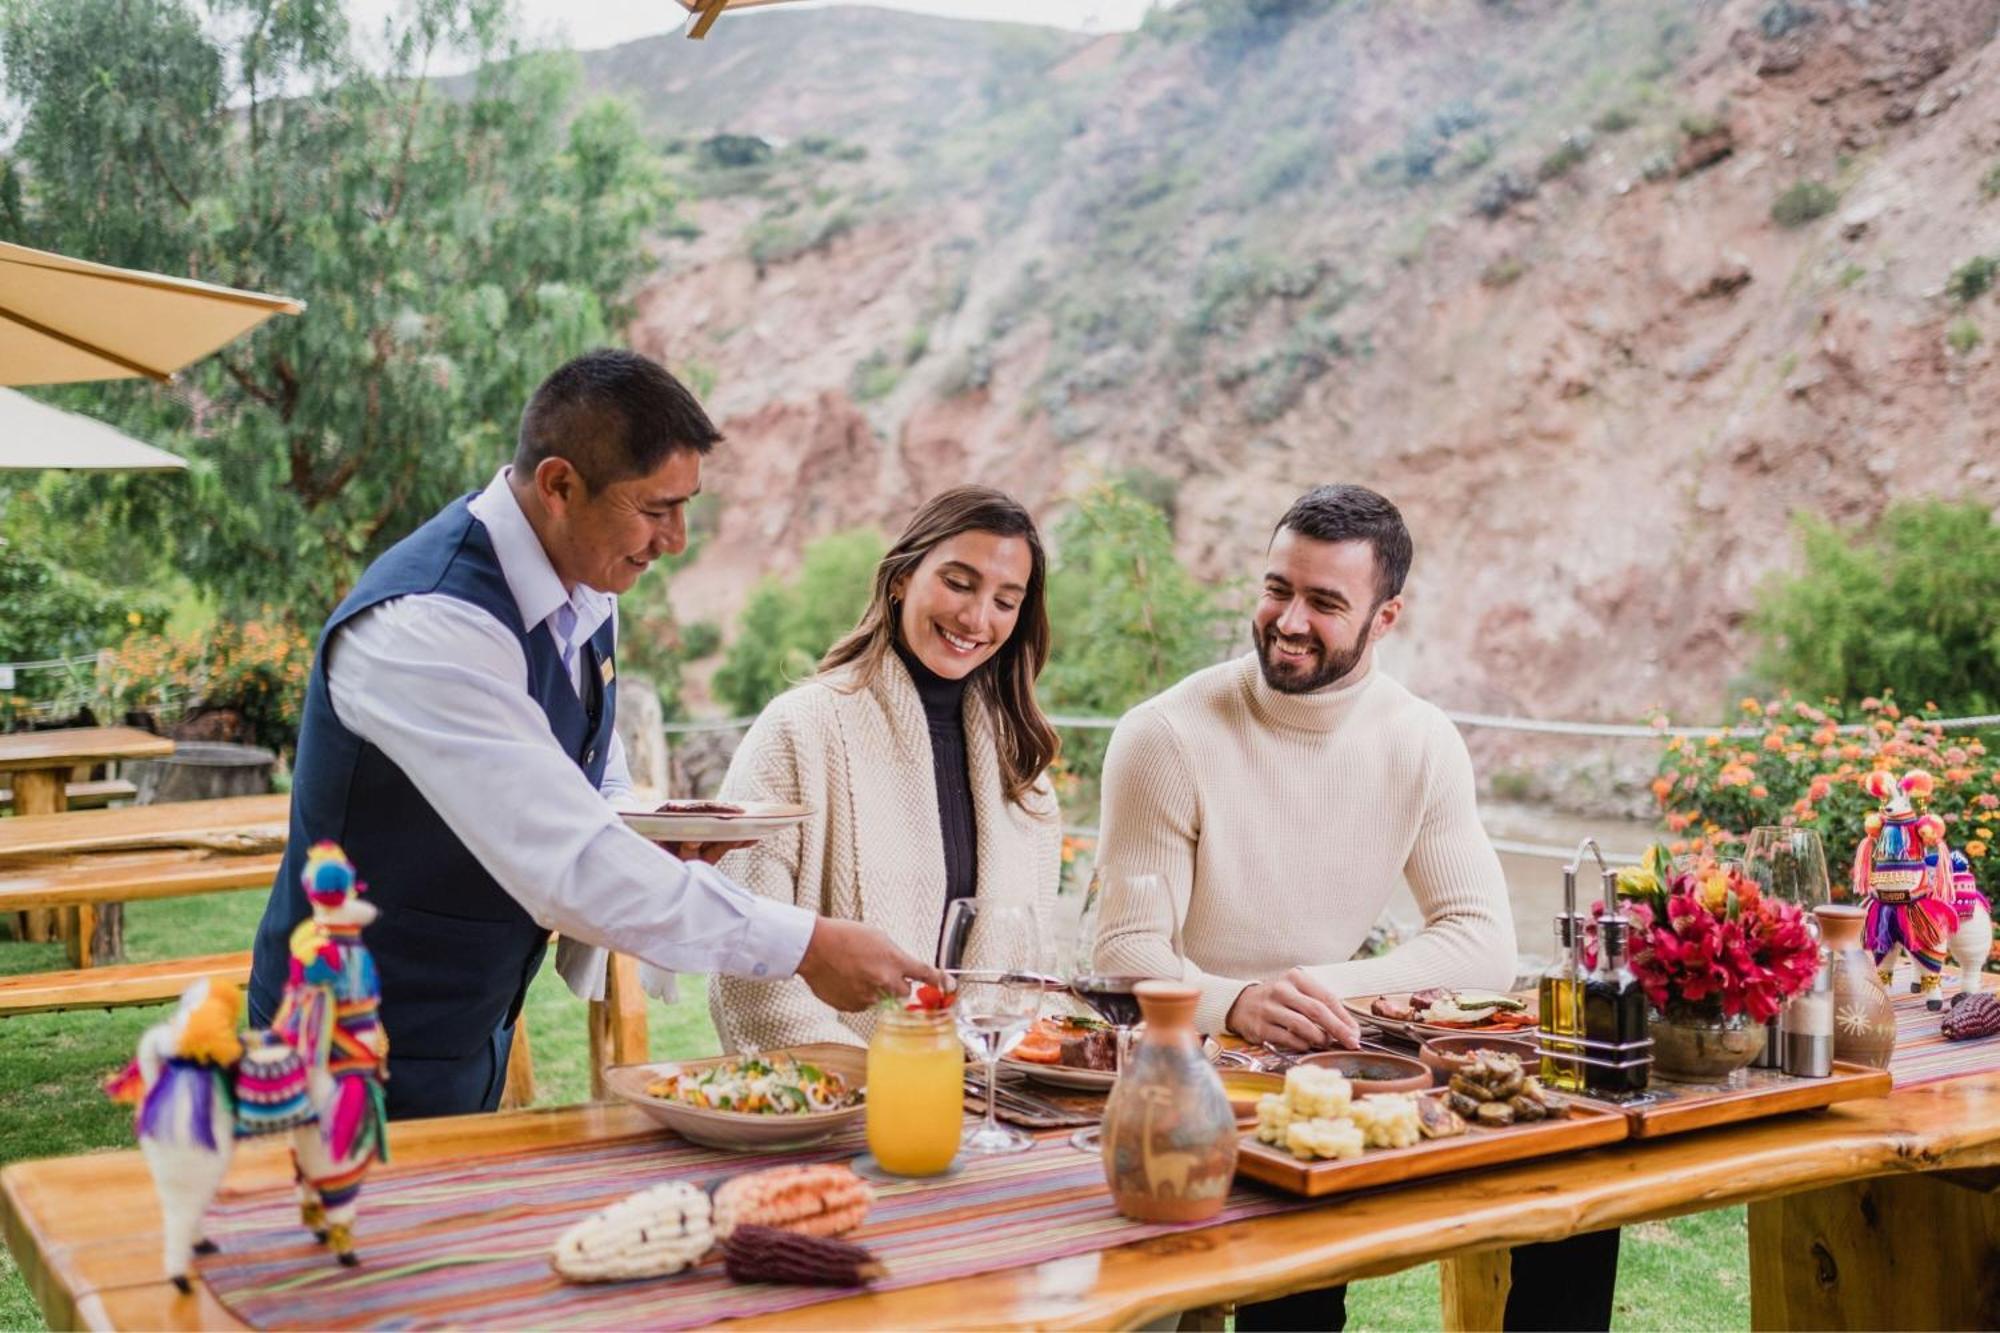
x,y
441,687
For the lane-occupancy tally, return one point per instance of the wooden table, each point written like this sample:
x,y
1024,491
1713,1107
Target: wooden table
x,y
133,826
1873,1214
40,763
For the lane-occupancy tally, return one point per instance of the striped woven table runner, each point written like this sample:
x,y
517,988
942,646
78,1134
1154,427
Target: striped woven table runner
x,y
1922,1054
467,1244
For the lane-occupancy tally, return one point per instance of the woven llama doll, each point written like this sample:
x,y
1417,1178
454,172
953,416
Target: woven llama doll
x,y
185,1124
329,1017
1901,875
1972,943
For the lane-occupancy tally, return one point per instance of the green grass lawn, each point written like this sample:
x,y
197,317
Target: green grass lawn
x,y
1691,1273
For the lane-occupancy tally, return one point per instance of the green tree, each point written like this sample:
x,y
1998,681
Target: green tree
x,y
1906,605
1126,618
785,627
453,247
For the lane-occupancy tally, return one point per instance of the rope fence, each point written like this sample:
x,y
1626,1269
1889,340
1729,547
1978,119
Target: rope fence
x,y
1545,726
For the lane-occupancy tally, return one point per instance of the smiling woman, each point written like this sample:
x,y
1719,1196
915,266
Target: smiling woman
x,y
922,750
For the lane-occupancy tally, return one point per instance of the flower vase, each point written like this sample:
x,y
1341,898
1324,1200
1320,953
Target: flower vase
x,y
1864,1021
1169,1139
1698,1043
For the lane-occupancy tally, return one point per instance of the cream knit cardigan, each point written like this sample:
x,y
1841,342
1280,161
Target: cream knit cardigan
x,y
873,849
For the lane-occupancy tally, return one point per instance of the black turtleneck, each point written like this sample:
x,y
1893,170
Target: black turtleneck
x,y
944,702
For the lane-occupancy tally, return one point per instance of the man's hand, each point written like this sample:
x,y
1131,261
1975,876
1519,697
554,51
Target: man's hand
x,y
851,966
710,852
1293,1013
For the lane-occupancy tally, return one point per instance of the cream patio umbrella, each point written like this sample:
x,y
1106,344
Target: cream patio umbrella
x,y
63,320
35,435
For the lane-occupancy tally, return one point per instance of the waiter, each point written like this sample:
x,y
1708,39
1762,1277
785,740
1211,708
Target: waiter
x,y
458,742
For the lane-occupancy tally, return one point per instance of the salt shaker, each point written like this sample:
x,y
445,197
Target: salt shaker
x,y
1807,1023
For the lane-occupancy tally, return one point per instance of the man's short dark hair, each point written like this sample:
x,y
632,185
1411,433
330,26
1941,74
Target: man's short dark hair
x,y
614,415
1356,514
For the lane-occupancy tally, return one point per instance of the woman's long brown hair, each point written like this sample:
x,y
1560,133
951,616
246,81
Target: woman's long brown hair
x,y
1005,682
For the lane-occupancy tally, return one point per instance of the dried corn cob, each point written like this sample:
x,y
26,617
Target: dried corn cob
x,y
649,1234
766,1254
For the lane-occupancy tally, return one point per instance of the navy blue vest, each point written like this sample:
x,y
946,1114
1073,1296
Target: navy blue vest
x,y
455,951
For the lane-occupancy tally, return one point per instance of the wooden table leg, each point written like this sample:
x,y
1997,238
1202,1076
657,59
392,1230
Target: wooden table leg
x,y
40,792
518,1092
617,1022
1908,1252
1472,1289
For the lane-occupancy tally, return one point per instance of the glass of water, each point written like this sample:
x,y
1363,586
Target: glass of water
x,y
990,951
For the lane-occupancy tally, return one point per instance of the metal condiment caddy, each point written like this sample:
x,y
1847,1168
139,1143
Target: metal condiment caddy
x,y
1625,1059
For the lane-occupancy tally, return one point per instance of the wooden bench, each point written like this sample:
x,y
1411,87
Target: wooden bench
x,y
86,795
81,886
114,987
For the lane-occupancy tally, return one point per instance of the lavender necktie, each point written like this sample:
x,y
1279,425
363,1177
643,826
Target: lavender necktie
x,y
565,629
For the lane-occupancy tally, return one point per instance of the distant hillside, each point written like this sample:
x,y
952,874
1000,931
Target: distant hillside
x,y
1599,292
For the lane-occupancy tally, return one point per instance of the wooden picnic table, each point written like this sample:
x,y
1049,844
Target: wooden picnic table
x,y
1873,1214
177,823
40,763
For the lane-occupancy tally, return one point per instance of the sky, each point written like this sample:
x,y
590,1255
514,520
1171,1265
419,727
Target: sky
x,y
585,24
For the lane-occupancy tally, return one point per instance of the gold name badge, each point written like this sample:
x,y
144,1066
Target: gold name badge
x,y
606,670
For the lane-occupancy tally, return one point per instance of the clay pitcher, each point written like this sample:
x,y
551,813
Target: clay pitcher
x,y
1864,1021
1169,1134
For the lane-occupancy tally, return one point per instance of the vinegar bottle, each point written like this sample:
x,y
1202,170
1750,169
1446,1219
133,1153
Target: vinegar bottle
x,y
1614,1015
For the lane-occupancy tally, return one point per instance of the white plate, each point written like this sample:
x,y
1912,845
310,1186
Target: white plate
x,y
759,819
738,1132
1062,1076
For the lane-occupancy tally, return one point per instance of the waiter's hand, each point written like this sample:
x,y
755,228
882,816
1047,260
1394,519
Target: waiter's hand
x,y
1293,1013
710,852
851,966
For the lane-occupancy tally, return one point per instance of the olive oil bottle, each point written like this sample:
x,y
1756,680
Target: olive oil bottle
x,y
1614,1015
1561,1011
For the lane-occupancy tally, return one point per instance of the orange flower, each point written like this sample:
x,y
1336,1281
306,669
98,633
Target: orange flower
x,y
1751,706
1774,741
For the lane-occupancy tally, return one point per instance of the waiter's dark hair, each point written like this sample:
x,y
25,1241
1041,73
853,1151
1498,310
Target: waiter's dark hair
x,y
613,415
1347,513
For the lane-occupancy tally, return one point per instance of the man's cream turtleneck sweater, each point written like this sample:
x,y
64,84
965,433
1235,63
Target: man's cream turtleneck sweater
x,y
1280,825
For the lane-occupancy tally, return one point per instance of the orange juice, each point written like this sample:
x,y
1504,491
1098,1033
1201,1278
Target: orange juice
x,y
916,1092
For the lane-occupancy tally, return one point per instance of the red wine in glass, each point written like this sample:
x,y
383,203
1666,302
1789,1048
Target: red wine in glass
x,y
1110,996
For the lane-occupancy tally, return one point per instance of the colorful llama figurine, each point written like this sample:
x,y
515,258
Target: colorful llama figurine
x,y
186,1117
329,1017
1972,943
1900,874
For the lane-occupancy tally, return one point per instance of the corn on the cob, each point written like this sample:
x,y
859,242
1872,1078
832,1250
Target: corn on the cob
x,y
649,1234
823,1200
766,1254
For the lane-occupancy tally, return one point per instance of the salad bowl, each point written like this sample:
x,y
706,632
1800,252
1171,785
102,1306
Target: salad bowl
x,y
785,1119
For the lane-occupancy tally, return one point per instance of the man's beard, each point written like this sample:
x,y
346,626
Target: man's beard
x,y
1325,669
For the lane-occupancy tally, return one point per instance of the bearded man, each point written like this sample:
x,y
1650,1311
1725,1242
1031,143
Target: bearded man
x,y
1259,815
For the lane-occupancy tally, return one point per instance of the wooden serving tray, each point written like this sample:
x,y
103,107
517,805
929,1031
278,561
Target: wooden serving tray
x,y
1587,1126
1674,1108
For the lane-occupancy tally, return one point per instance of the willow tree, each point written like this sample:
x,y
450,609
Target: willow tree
x,y
454,239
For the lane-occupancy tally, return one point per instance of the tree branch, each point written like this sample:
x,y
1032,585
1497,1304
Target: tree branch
x,y
160,170
249,386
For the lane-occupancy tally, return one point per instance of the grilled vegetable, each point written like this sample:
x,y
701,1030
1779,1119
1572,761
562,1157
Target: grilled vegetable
x,y
766,1254
823,1200
649,1234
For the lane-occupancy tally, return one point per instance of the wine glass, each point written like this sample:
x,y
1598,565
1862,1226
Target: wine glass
x,y
1790,865
990,952
1109,993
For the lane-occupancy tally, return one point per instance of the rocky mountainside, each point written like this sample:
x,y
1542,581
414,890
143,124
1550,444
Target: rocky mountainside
x,y
1599,292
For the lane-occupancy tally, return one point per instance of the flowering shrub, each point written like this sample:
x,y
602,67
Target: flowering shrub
x,y
1704,935
1791,763
256,669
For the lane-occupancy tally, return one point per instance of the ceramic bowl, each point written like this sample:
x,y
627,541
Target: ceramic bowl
x,y
1445,1056
1245,1086
734,1130
1374,1071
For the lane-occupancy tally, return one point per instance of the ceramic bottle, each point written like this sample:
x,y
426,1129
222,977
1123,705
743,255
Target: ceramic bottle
x,y
1169,1135
1864,1021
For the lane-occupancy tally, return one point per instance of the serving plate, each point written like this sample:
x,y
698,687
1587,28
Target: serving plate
x,y
759,819
1062,1076
737,1131
1416,1031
